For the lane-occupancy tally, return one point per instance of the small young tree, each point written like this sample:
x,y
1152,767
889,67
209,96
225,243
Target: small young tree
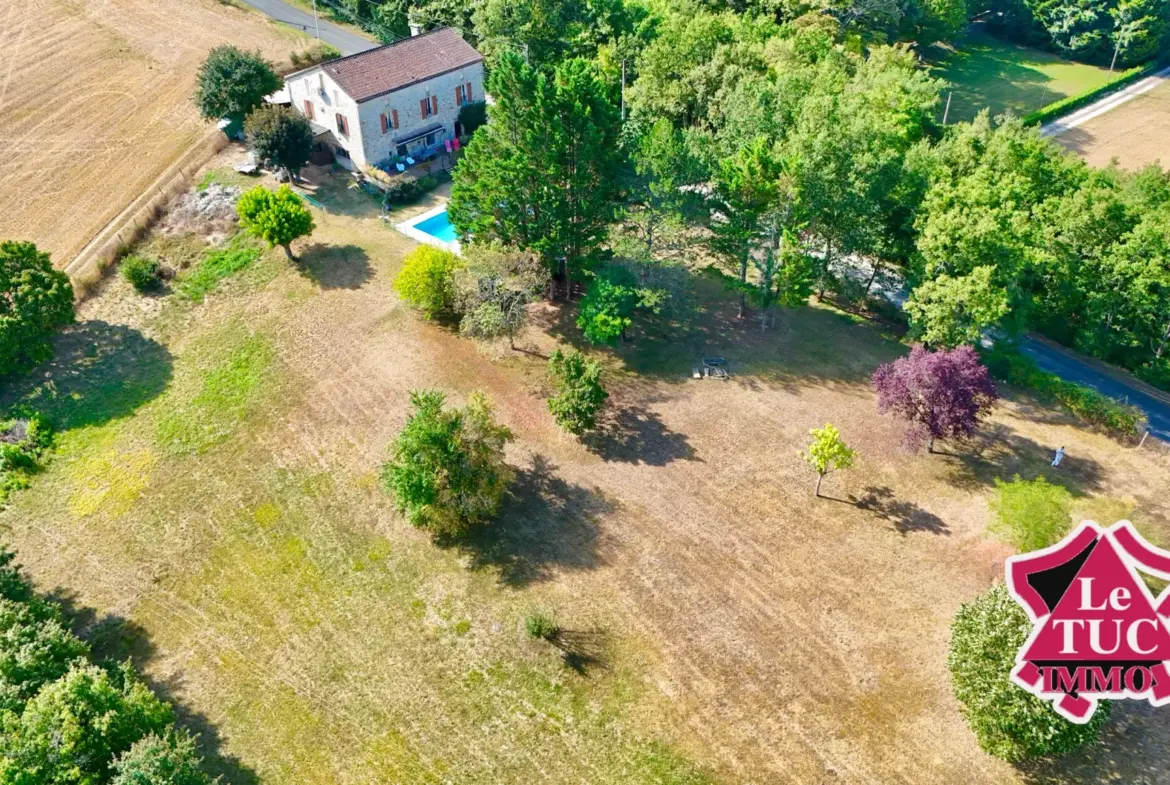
x,y
277,217
942,394
35,300
280,138
232,83
161,759
1008,721
447,470
427,280
579,394
1031,514
827,452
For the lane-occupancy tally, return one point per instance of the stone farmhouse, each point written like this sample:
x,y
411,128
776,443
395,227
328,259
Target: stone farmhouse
x,y
386,104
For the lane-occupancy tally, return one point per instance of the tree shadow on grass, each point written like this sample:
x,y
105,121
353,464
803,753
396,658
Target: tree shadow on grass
x,y
998,452
1133,749
549,525
634,434
335,266
581,650
905,517
114,639
99,372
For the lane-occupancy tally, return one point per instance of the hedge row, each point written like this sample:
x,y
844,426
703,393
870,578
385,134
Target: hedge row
x,y
1058,109
1119,420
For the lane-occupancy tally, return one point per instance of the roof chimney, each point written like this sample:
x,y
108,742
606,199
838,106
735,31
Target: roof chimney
x,y
415,29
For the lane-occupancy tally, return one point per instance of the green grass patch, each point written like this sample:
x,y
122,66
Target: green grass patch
x,y
225,177
224,397
985,72
217,265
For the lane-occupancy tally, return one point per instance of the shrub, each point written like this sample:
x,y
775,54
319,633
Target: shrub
x,y
1121,421
35,300
317,53
277,217
141,272
407,190
541,626
427,280
447,470
166,759
1008,721
494,287
579,394
22,442
1031,514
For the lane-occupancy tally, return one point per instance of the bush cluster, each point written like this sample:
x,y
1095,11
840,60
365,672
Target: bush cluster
x,y
317,53
142,272
64,719
1123,422
1008,721
407,190
22,442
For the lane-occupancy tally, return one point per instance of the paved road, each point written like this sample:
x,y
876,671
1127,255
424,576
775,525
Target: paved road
x,y
1069,369
349,43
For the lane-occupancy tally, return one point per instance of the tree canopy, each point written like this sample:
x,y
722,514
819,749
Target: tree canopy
x,y
233,82
280,137
35,300
277,217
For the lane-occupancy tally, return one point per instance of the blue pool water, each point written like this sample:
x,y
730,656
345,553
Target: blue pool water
x,y
438,226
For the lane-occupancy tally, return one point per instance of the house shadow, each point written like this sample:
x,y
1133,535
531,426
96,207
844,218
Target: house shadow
x,y
549,525
99,372
904,517
581,650
335,266
113,639
1133,748
634,434
998,452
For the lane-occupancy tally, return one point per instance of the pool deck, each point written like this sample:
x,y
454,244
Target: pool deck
x,y
408,228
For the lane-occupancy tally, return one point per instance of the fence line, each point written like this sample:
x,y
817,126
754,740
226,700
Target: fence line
x,y
128,226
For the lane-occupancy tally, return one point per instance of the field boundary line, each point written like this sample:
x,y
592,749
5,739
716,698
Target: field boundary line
x,y
123,229
1108,103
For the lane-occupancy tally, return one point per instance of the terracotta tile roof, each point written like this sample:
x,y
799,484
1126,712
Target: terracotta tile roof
x,y
400,64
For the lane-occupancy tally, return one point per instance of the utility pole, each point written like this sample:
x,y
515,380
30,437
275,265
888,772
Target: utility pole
x,y
316,20
947,111
623,91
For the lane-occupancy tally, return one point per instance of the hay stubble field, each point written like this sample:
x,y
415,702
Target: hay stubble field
x,y
95,104
213,511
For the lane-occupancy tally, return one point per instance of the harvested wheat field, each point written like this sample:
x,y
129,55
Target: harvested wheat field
x,y
95,103
1136,133
213,511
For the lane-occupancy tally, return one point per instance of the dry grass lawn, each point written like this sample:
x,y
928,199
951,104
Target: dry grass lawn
x,y
95,103
1136,133
213,510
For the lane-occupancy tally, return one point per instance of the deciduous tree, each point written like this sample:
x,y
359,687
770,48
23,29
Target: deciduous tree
x,y
35,300
1008,721
232,83
277,217
447,470
579,394
280,137
942,394
168,758
952,311
827,452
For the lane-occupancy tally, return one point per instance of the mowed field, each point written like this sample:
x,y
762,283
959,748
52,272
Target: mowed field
x,y
213,511
95,103
1136,133
986,72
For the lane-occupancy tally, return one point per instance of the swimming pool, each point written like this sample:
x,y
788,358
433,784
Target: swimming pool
x,y
439,227
433,228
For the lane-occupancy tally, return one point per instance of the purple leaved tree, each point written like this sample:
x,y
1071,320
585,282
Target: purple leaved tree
x,y
941,394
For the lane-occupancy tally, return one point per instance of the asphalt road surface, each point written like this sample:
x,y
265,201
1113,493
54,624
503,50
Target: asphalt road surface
x,y
1070,369
349,43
